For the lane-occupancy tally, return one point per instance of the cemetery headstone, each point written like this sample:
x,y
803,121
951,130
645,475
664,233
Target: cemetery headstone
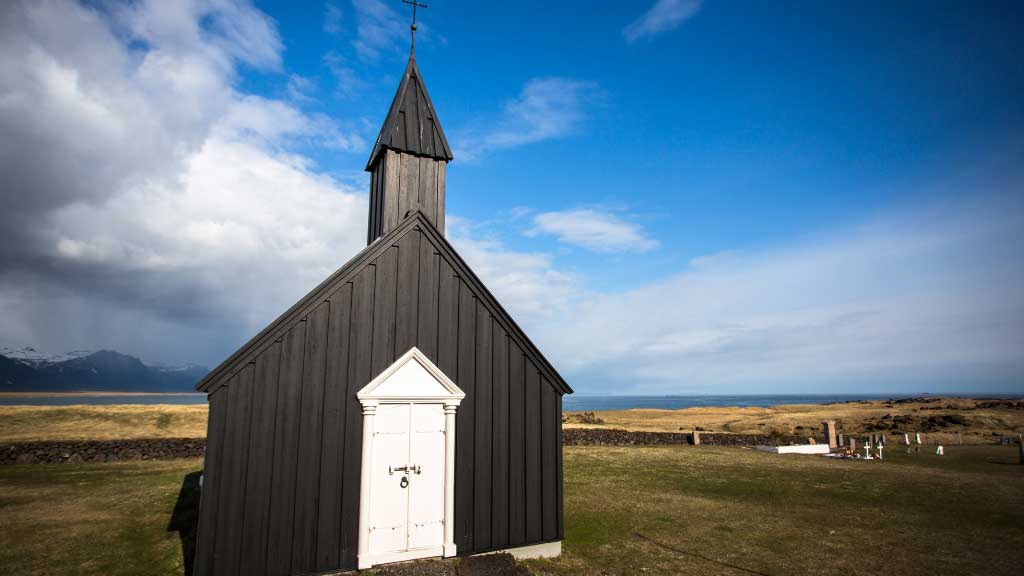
x,y
830,433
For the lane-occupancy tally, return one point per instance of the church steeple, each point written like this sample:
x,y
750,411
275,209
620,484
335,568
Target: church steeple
x,y
408,160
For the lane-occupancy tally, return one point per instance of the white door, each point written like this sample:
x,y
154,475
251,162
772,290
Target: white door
x,y
407,490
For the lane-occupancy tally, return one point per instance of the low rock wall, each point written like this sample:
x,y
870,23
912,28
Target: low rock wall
x,y
612,437
73,452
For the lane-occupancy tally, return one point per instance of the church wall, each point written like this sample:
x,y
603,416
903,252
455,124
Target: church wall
x,y
284,439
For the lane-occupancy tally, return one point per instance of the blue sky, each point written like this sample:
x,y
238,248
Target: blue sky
x,y
741,126
671,196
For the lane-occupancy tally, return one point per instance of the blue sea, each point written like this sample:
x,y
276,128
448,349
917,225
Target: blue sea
x,y
571,402
595,403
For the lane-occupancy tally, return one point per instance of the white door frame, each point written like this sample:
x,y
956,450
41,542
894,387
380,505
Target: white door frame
x,y
376,393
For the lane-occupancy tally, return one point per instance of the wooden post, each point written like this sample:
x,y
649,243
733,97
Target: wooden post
x,y
449,480
363,558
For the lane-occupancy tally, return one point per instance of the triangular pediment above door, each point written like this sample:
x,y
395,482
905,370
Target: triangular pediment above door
x,y
413,377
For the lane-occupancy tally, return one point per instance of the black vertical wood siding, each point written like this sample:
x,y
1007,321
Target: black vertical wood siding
x,y
281,494
416,183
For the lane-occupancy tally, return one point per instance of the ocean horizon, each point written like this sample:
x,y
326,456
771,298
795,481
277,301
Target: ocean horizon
x,y
572,402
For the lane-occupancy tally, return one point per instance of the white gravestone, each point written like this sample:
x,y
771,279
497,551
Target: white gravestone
x,y
940,451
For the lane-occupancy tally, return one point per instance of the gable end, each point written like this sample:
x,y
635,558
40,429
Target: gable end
x,y
386,264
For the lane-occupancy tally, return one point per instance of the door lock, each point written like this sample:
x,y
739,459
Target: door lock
x,y
405,482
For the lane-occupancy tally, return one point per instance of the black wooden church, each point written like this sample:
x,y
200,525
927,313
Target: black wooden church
x,y
330,442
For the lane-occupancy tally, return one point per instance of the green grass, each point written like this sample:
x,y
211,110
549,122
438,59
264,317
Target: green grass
x,y
108,519
656,510
681,510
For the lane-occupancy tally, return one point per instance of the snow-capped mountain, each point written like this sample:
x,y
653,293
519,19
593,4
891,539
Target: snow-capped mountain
x,y
30,370
38,358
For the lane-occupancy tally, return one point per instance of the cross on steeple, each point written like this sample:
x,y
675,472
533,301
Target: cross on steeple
x,y
414,5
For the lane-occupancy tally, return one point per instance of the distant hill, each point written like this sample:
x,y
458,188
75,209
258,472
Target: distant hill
x,y
27,370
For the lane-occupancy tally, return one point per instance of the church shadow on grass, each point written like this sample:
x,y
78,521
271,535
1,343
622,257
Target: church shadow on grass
x,y
185,518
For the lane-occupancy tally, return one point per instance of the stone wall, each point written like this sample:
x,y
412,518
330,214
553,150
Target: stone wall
x,y
73,452
165,448
612,437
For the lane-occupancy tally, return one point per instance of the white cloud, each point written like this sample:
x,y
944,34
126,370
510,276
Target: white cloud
x,y
925,299
594,230
347,82
300,89
378,28
547,108
332,18
148,205
528,284
663,16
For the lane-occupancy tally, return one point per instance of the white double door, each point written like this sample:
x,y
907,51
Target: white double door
x,y
407,491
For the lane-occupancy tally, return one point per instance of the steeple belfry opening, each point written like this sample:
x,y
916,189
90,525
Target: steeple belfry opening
x,y
408,161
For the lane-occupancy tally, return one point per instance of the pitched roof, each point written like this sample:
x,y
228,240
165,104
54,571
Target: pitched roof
x,y
412,125
417,221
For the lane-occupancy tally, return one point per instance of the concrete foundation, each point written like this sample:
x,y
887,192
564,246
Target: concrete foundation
x,y
545,550
798,449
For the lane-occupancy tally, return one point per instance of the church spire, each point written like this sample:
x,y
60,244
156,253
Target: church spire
x,y
408,160
412,125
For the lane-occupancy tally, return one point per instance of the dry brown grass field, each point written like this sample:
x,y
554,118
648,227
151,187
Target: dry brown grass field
x,y
82,422
978,421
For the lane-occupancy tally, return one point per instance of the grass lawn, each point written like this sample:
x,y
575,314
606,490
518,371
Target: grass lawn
x,y
656,510
108,519
733,511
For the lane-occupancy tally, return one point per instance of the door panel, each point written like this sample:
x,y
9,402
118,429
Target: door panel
x,y
389,500
426,496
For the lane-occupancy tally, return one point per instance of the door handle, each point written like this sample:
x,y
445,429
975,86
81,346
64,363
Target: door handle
x,y
413,468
